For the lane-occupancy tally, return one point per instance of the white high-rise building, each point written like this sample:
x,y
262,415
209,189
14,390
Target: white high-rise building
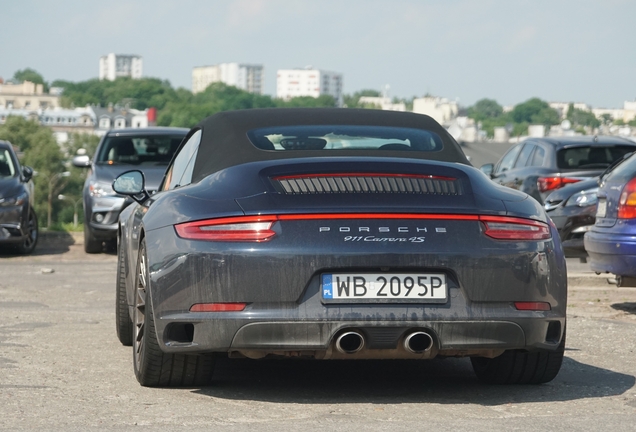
x,y
244,76
292,83
113,66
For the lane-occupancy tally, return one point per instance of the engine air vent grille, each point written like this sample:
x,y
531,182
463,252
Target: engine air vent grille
x,y
368,184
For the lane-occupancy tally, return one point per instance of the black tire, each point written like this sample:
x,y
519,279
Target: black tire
x,y
28,245
153,367
520,367
91,244
123,323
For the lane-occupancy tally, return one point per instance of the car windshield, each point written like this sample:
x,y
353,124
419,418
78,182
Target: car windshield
x,y
6,164
139,150
590,157
338,137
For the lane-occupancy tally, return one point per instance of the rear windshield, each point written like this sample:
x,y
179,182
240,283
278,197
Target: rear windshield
x,y
589,157
139,150
285,138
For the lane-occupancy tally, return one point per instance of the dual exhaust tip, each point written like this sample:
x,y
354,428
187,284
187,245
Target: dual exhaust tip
x,y
351,342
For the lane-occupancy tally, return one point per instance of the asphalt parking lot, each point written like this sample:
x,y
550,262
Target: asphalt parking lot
x,y
62,368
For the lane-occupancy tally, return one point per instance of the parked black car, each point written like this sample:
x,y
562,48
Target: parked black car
x,y
573,211
148,149
18,222
539,166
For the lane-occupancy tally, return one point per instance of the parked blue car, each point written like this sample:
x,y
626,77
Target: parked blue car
x,y
611,244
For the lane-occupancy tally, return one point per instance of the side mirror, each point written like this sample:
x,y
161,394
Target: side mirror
x,y
82,161
27,173
132,184
487,169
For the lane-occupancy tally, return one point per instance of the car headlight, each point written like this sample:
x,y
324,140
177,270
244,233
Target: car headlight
x,y
14,201
583,199
99,189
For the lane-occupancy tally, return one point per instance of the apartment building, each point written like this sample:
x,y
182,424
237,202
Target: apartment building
x,y
292,83
113,66
626,114
26,96
248,77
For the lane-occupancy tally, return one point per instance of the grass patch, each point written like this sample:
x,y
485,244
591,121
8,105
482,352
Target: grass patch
x,y
65,227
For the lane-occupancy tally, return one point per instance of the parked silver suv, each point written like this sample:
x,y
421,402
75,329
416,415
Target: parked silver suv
x,y
147,149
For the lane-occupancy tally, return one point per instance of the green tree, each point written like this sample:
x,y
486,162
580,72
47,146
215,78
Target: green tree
x,y
138,93
579,117
485,109
29,74
323,101
352,101
187,111
489,114
606,119
535,111
84,141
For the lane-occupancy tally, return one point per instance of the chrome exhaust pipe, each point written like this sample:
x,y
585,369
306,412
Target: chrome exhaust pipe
x,y
418,342
350,342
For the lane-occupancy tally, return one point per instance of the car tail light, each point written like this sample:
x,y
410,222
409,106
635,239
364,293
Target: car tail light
x,y
239,229
533,306
259,228
550,183
218,307
627,202
509,228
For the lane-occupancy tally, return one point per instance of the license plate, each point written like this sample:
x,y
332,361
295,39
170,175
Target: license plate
x,y
382,287
601,208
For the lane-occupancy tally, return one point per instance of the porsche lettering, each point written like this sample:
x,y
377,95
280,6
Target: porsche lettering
x,y
347,229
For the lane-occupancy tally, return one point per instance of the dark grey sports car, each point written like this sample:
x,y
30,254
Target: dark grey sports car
x,y
334,234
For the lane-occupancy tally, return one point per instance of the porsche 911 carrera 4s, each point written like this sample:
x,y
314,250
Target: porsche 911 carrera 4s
x,y
334,234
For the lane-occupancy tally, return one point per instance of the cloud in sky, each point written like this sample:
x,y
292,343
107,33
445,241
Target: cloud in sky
x,y
570,50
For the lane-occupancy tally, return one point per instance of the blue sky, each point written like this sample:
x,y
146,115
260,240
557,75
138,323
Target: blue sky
x,y
509,50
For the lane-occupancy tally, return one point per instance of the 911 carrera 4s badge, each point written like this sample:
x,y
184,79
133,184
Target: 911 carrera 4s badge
x,y
381,287
365,233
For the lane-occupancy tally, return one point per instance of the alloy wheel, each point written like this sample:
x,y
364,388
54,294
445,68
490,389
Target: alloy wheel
x,y
140,309
32,232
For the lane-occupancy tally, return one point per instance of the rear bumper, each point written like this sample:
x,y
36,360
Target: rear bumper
x,y
457,327
316,338
613,253
280,281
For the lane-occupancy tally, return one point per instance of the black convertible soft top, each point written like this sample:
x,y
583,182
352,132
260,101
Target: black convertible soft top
x,y
225,143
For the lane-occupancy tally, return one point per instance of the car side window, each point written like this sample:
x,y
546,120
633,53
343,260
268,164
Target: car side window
x,y
538,157
180,173
508,160
524,156
6,164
